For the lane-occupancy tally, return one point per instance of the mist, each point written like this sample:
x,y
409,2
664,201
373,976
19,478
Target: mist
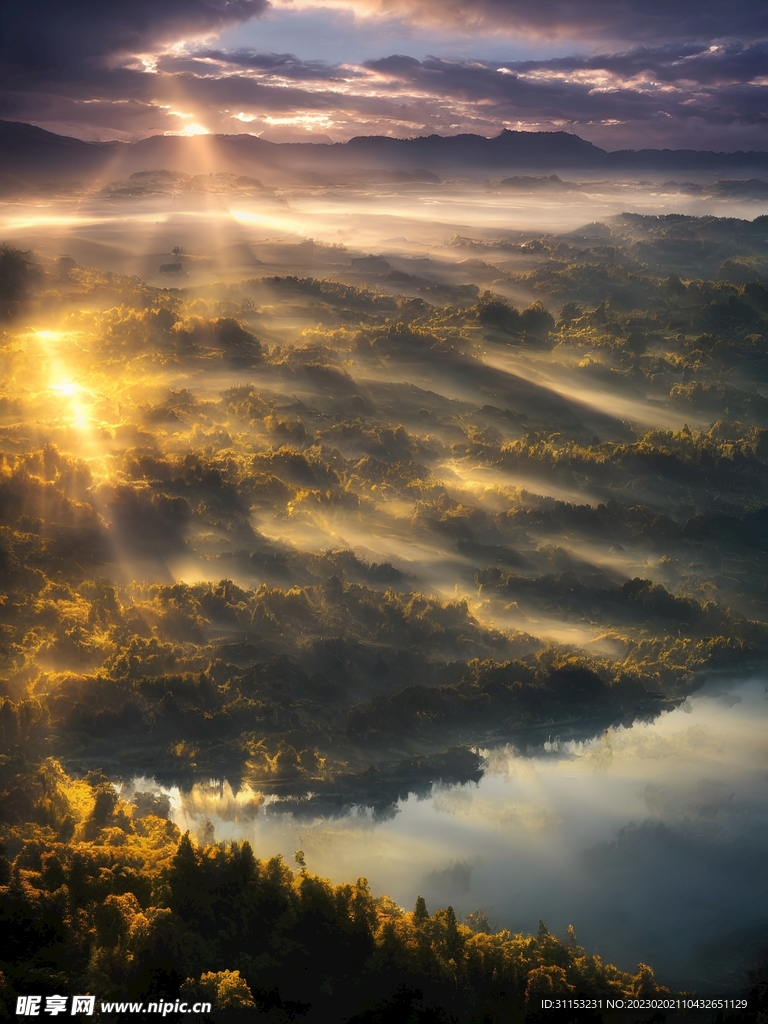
x,y
414,523
651,837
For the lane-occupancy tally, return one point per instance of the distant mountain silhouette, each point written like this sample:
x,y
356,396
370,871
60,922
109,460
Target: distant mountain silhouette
x,y
508,149
30,156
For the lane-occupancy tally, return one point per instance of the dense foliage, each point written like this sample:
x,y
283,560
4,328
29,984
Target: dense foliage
x,y
235,545
103,895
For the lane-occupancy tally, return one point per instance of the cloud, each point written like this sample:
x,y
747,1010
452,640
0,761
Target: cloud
x,y
586,20
39,34
276,66
701,95
719,86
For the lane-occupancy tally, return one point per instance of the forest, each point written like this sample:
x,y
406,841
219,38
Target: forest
x,y
331,536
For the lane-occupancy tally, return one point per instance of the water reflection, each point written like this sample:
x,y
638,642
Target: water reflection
x,y
651,839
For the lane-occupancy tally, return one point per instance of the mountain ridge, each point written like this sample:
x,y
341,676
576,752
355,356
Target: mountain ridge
x,y
34,155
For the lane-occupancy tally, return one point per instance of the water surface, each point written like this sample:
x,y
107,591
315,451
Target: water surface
x,y
650,840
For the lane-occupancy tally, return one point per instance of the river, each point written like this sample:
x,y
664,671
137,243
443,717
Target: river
x,y
651,840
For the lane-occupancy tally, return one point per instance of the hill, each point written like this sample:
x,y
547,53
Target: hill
x,y
38,158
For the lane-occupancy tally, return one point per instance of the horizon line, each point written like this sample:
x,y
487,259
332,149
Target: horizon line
x,y
391,138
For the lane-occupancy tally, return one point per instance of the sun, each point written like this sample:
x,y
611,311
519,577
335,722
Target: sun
x,y
66,388
191,130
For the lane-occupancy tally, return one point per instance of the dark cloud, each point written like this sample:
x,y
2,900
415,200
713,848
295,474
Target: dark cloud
x,y
703,64
684,94
627,20
716,85
277,65
48,33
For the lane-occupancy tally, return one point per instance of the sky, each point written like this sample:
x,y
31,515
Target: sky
x,y
624,74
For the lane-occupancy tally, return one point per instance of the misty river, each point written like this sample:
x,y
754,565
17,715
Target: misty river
x,y
650,840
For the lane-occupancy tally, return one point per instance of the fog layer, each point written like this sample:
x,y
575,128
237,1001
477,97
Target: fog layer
x,y
333,503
